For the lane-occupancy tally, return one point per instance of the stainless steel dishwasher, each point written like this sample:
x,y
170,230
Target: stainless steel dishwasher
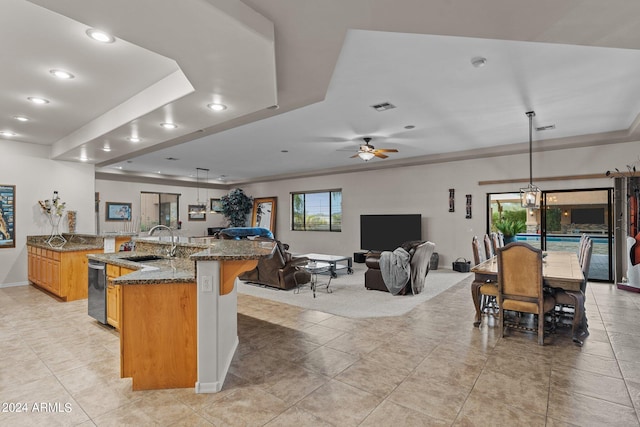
x,y
97,305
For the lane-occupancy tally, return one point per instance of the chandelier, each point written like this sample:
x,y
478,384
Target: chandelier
x,y
200,207
531,195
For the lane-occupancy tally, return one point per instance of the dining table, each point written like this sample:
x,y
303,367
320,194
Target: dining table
x,y
560,270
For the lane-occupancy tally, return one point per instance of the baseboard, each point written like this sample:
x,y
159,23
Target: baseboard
x,y
11,285
626,287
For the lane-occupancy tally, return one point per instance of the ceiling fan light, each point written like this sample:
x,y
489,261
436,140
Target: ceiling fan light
x,y
366,155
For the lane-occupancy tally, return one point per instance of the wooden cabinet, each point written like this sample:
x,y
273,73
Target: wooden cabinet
x,y
114,299
64,274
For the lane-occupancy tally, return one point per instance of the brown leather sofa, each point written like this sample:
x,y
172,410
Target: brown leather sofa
x,y
279,271
420,257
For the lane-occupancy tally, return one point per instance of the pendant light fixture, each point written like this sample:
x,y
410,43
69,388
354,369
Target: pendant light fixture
x,y
199,208
531,195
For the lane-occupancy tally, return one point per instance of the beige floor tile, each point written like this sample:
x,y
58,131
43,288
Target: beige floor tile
x,y
480,410
248,406
570,380
440,401
296,417
304,367
584,410
374,377
339,404
327,361
528,393
392,414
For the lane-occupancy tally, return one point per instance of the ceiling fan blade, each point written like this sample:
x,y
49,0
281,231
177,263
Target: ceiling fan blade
x,y
386,150
380,155
355,155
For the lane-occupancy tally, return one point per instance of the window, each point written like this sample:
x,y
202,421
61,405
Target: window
x,y
159,208
317,210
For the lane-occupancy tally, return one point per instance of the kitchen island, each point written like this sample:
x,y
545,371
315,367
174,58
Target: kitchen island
x,y
175,327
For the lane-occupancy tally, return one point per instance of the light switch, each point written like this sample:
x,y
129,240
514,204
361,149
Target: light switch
x,y
207,284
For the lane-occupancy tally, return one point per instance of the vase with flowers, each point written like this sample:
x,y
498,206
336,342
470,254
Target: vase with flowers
x,y
54,209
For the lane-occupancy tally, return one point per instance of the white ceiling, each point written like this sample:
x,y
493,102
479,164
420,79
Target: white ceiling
x,y
575,63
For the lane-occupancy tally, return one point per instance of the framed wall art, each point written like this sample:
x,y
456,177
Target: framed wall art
x,y
468,215
215,206
7,216
117,211
452,197
264,213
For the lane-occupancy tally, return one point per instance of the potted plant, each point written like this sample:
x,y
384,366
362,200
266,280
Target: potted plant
x,y
236,207
509,228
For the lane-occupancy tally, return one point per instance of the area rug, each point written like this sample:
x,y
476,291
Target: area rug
x,y
351,299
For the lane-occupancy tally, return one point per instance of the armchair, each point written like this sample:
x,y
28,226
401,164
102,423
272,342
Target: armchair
x,y
520,287
420,256
280,270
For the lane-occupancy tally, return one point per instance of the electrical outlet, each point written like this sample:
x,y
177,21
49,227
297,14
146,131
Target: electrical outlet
x,y
206,283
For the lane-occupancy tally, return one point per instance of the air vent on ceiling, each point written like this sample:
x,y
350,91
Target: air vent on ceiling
x,y
548,127
383,106
171,158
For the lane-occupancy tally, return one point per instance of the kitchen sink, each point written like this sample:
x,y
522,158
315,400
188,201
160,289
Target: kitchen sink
x,y
144,258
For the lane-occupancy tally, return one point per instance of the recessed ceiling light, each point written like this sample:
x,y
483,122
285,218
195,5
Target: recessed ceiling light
x,y
217,107
478,61
61,74
106,149
83,158
100,36
134,139
21,118
169,125
37,100
409,127
7,133
284,151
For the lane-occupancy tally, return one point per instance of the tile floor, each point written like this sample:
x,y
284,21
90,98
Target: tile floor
x,y
298,367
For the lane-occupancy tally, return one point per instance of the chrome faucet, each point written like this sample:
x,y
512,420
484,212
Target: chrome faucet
x,y
172,251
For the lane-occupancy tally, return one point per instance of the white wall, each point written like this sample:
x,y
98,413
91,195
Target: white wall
x,y
35,176
129,192
417,189
425,190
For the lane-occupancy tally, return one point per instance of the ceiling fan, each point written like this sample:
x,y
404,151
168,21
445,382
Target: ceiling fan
x,y
368,151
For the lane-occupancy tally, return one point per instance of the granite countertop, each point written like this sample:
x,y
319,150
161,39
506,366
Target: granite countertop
x,y
179,269
227,250
163,270
75,242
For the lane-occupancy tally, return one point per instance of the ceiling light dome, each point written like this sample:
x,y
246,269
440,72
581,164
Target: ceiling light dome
x,y
61,74
217,107
100,36
366,155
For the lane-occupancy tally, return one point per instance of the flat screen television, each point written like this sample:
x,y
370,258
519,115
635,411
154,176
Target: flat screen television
x,y
387,232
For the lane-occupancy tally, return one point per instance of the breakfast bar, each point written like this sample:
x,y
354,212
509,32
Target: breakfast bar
x,y
178,325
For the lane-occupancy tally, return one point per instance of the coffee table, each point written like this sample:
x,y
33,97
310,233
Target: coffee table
x,y
332,260
314,268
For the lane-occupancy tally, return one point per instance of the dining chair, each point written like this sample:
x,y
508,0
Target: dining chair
x,y
520,288
484,293
497,241
488,247
571,303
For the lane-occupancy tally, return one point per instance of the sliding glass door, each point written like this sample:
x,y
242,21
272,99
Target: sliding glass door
x,y
566,215
557,226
